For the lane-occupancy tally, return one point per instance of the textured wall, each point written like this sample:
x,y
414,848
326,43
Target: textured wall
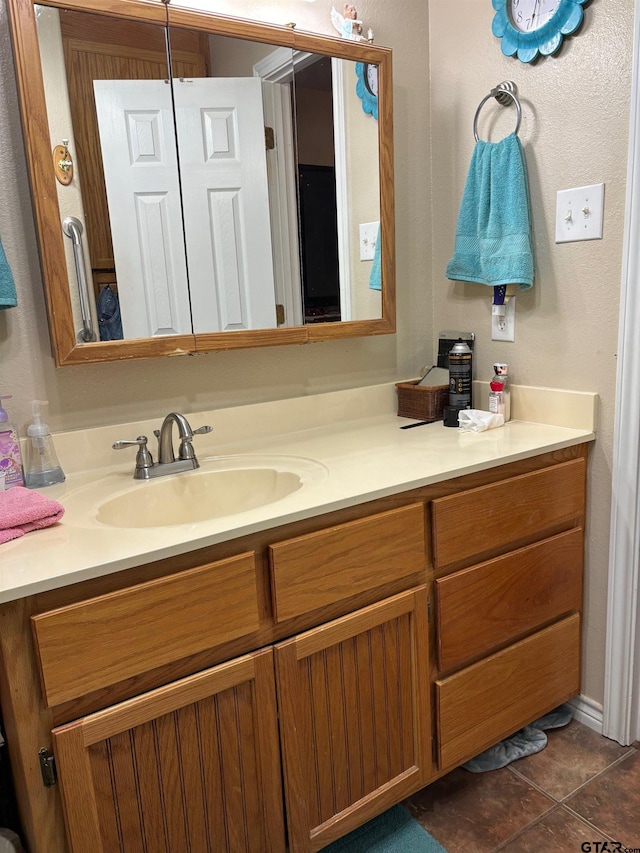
x,y
575,132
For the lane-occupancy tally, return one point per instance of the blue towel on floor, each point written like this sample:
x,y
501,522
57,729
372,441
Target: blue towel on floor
x,y
525,742
394,831
8,298
375,277
493,237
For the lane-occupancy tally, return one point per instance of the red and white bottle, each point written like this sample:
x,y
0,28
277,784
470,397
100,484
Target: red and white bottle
x,y
499,394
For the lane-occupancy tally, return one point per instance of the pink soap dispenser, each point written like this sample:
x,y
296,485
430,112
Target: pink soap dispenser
x,y
10,459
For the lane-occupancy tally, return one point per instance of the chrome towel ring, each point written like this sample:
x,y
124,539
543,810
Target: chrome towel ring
x,y
504,93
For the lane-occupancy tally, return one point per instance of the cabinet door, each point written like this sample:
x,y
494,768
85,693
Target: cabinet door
x,y
190,766
354,718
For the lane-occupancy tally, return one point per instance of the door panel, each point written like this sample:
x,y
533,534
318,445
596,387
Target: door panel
x,y
223,174
190,766
137,136
354,718
97,47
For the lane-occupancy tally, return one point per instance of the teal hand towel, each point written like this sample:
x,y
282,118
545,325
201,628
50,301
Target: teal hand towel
x,y
375,277
493,236
8,298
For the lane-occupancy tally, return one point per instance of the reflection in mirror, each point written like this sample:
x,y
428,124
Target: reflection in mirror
x,y
224,194
228,191
100,72
321,177
338,156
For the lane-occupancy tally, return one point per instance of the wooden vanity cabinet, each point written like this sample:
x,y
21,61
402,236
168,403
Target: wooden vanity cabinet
x,y
282,688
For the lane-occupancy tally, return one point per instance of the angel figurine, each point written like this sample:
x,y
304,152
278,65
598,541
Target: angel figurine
x,y
347,24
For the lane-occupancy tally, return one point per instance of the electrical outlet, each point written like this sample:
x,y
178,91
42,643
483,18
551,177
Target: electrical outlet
x,y
503,328
579,213
368,237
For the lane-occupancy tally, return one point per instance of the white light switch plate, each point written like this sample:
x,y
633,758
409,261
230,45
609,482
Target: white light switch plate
x,y
579,213
368,237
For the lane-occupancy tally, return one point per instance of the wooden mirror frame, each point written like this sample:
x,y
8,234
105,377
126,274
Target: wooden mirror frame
x,y
31,96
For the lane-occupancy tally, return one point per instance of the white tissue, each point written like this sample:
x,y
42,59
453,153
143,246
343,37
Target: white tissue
x,y
475,420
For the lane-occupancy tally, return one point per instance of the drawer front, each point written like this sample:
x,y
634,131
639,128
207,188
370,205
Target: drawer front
x,y
489,700
487,605
89,645
330,565
491,518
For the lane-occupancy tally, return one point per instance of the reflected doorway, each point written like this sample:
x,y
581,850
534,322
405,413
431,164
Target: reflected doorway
x,y
319,244
314,123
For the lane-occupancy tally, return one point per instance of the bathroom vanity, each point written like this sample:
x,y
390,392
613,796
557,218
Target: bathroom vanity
x,y
286,674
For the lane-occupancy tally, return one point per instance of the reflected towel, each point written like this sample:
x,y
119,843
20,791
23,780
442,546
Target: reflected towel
x,y
493,236
375,277
23,510
8,298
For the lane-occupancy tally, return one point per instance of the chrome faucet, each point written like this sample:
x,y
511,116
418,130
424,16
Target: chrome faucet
x,y
167,462
165,439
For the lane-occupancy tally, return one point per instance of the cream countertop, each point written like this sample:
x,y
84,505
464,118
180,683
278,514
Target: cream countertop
x,y
346,445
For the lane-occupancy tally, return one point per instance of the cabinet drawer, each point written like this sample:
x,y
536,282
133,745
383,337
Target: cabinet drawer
x,y
330,565
489,700
487,605
89,645
490,518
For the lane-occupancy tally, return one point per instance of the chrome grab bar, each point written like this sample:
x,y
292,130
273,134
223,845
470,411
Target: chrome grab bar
x,y
72,228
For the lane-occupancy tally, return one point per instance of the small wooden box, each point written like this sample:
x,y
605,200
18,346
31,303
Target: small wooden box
x,y
421,403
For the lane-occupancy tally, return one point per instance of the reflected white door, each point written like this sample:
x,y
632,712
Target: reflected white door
x,y
137,136
282,177
223,171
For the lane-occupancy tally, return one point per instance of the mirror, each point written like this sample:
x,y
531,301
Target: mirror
x,y
196,234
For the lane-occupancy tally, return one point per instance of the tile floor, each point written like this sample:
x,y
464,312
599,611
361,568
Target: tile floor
x,y
579,790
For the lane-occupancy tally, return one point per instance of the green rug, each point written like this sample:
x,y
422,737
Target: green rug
x,y
394,831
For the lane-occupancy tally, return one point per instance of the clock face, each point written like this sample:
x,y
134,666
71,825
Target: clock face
x,y
527,16
371,79
367,87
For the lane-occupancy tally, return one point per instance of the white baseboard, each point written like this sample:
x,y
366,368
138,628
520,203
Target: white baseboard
x,y
589,712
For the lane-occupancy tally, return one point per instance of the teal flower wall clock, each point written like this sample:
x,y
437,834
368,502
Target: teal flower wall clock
x,y
367,87
531,27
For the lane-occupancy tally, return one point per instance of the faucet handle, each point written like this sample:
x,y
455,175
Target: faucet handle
x,y
186,450
144,460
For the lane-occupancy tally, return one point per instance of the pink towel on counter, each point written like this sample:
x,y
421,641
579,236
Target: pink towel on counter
x,y
23,510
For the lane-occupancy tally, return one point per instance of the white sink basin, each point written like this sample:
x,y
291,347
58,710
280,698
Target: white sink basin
x,y
197,496
222,486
